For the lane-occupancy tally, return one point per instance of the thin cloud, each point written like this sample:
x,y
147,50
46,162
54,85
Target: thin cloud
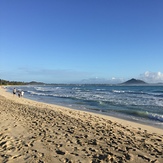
x,y
47,75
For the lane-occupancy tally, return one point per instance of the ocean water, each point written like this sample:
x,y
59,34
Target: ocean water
x,y
143,104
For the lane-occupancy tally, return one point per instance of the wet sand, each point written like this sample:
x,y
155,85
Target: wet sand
x,y
35,132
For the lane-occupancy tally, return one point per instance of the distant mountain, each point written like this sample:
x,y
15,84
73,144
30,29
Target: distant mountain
x,y
134,81
35,83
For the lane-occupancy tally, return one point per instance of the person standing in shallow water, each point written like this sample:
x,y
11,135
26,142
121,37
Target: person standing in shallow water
x,y
14,91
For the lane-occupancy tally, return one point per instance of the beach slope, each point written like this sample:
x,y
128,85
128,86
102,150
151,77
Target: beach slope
x,y
37,132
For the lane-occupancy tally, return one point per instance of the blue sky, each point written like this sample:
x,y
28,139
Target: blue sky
x,y
60,41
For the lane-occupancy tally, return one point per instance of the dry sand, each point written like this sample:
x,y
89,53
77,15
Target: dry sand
x,y
35,132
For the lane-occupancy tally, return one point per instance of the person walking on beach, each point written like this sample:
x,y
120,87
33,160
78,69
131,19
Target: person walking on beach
x,y
14,91
18,93
21,93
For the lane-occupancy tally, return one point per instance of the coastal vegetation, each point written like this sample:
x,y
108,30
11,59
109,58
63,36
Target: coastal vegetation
x,y
6,82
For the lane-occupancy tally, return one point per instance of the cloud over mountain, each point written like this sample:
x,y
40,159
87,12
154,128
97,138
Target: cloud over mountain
x,y
152,77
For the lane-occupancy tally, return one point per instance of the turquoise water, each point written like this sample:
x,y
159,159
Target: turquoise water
x,y
143,104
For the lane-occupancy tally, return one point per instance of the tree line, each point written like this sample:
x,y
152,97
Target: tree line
x,y
6,82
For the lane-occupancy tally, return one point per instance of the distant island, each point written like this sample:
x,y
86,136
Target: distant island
x,y
133,82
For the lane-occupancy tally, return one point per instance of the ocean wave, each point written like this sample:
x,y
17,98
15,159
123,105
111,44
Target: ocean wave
x,y
98,89
132,93
158,91
129,92
66,96
118,91
47,89
155,116
143,114
159,95
37,93
76,88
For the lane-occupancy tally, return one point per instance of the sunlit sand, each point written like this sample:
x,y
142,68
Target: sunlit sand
x,y
32,131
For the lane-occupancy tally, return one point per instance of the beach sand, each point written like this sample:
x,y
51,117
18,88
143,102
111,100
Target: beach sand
x,y
35,132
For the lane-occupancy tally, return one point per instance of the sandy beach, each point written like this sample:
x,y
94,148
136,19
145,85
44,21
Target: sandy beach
x,y
35,132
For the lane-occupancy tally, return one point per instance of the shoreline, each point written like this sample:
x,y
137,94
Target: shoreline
x,y
142,114
32,131
125,121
